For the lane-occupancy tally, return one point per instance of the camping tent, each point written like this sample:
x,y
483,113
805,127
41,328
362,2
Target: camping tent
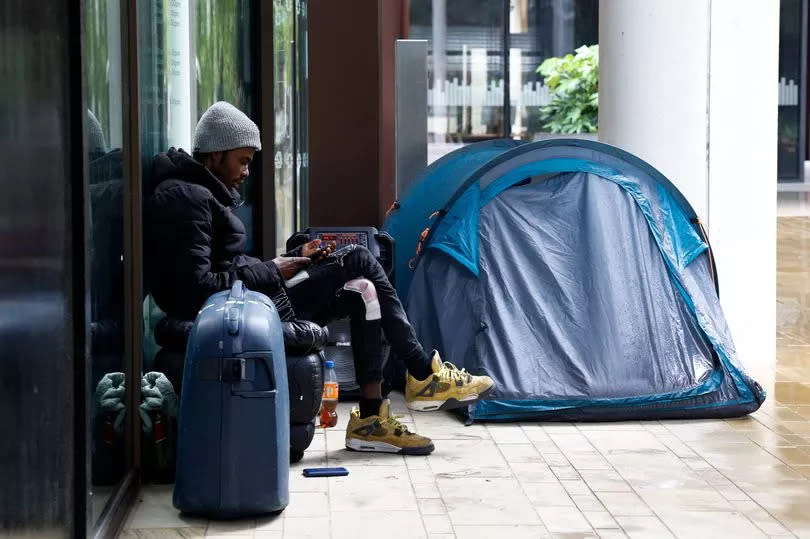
x,y
577,277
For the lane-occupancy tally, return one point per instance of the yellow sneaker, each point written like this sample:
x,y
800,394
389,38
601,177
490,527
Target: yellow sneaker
x,y
382,433
446,389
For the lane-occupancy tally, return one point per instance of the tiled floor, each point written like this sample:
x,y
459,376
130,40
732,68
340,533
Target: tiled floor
x,y
738,478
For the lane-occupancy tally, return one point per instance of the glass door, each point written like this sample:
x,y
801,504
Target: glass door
x,y
105,153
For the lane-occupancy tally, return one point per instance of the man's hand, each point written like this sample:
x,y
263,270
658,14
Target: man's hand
x,y
312,249
289,266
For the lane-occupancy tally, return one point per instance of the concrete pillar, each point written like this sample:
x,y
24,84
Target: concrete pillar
x,y
691,87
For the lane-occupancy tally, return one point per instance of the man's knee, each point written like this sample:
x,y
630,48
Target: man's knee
x,y
368,293
362,254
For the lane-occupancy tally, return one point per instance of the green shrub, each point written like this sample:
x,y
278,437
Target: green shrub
x,y
574,85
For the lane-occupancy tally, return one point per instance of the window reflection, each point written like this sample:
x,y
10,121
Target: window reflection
x,y
302,116
468,59
789,153
465,70
283,145
222,69
541,29
193,53
106,249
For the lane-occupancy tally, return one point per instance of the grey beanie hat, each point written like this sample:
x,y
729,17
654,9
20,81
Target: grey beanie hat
x,y
95,135
224,127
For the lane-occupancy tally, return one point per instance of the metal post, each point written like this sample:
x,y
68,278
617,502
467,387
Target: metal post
x,y
411,112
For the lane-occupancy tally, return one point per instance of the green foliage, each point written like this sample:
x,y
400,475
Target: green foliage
x,y
96,60
218,53
574,85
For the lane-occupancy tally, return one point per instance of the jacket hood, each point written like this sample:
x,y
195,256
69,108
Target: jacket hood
x,y
178,165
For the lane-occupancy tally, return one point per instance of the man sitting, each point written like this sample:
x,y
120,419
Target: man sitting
x,y
195,246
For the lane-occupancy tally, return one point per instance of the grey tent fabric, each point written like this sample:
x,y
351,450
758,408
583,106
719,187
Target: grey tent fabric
x,y
574,311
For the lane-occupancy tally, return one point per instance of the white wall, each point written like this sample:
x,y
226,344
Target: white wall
x,y
653,88
743,98
691,86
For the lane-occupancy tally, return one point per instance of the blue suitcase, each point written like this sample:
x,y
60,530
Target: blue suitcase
x,y
233,447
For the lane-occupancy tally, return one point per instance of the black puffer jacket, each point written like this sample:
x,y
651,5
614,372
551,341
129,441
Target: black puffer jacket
x,y
194,245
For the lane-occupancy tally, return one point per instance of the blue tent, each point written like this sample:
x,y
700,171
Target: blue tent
x,y
577,277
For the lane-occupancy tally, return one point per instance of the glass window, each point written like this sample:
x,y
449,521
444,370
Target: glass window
x,y
222,67
465,70
102,46
192,53
302,115
541,29
468,61
283,91
790,156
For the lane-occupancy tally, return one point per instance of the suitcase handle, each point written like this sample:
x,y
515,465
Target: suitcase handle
x,y
237,290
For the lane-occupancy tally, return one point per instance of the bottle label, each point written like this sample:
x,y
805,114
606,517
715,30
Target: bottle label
x,y
330,390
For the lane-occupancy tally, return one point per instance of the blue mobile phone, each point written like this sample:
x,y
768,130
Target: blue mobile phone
x,y
325,472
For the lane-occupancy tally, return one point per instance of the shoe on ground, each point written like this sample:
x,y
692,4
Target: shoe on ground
x,y
447,388
383,433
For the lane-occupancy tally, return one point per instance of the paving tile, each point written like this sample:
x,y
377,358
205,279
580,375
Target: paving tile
x,y
600,519
507,434
270,522
611,533
588,460
587,502
437,524
535,433
153,509
710,524
482,501
490,532
576,487
431,506
645,527
604,481
626,504
564,520
426,490
554,457
231,528
307,504
397,524
679,499
514,453
791,455
547,495
732,492
527,472
307,528
565,472
469,458
368,488
761,518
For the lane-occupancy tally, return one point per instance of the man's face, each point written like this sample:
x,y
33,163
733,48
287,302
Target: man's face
x,y
231,167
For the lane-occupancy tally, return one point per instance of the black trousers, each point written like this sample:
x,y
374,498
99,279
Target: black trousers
x,y
322,299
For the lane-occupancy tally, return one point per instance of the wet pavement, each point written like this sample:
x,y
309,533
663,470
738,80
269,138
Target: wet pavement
x,y
747,477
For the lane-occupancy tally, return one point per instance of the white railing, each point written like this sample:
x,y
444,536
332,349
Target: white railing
x,y
533,94
788,92
454,94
